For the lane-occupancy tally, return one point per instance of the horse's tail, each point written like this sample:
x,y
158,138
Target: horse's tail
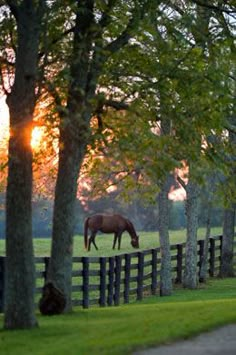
x,y
86,233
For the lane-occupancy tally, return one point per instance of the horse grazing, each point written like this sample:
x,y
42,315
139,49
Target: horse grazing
x,y
109,224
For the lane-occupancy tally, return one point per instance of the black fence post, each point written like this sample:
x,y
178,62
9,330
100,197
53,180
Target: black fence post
x,y
127,278
117,280
2,278
221,248
212,257
201,244
102,300
85,262
179,267
140,276
110,281
154,271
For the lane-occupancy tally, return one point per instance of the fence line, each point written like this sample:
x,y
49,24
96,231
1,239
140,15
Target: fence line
x,y
107,281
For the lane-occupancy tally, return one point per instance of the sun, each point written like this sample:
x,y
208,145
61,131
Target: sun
x,y
37,132
36,137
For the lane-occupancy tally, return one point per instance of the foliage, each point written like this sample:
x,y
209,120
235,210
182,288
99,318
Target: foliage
x,y
164,72
161,71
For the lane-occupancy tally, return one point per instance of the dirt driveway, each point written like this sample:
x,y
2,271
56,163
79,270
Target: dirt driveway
x,y
218,342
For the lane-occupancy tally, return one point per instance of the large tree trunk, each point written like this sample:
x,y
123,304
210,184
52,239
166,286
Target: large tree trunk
x,y
192,204
163,207
227,265
20,267
87,60
70,159
74,137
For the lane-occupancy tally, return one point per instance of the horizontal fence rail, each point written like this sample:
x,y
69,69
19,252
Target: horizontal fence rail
x,y
108,281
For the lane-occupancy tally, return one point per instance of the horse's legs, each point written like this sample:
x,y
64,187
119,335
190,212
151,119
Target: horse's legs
x,y
115,239
92,240
89,244
119,239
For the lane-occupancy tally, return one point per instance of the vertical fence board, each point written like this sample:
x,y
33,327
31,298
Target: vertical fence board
x,y
110,275
110,281
102,300
127,278
85,262
154,271
118,259
212,257
201,244
221,247
140,276
179,264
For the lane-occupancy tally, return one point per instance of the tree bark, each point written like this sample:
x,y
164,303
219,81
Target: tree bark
x,y
88,58
20,266
74,137
60,268
192,204
227,254
163,206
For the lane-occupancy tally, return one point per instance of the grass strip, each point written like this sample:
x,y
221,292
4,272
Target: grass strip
x,y
121,330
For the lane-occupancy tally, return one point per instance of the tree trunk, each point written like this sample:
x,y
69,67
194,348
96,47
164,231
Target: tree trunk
x,y
74,137
20,266
192,202
70,159
204,261
163,206
87,60
227,265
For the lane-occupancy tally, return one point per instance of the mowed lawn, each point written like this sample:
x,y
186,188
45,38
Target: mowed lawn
x,y
124,329
104,242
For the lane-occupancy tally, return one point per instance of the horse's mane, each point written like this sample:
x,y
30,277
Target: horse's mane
x,y
130,227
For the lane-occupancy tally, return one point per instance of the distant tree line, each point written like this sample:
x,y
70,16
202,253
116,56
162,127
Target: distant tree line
x,y
144,217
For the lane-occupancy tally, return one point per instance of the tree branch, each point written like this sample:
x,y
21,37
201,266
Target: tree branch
x,y
117,105
106,18
214,7
13,5
137,15
231,128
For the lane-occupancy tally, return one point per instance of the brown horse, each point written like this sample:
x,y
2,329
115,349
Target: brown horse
x,y
109,224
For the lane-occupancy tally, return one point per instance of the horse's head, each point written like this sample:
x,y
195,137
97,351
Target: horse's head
x,y
135,242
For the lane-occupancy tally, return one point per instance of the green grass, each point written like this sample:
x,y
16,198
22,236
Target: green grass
x,y
121,330
104,242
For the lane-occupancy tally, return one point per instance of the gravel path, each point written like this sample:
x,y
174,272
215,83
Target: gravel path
x,y
218,342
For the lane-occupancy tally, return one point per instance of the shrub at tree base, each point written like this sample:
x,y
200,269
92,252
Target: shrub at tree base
x,y
52,301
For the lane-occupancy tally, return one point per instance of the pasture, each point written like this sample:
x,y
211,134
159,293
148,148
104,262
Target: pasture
x,y
147,240
123,329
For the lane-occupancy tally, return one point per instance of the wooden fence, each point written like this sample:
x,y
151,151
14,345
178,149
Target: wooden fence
x,y
108,281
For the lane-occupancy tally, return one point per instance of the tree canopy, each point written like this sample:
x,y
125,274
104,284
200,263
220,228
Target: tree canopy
x,y
127,91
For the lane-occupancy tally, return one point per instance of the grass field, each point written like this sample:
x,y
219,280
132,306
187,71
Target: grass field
x,y
123,329
104,242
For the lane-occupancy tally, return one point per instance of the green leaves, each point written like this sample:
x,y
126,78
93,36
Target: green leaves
x,y
167,74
